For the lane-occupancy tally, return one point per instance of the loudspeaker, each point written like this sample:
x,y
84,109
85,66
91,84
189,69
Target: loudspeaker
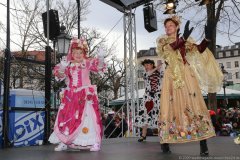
x,y
54,27
150,19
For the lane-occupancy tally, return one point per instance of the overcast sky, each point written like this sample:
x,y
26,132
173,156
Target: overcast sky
x,y
104,17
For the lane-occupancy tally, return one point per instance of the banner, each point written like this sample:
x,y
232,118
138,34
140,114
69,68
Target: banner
x,y
26,128
1,128
27,101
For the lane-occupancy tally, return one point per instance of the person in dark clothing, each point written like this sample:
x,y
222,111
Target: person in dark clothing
x,y
110,125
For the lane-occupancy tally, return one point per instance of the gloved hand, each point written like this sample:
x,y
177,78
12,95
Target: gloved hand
x,y
178,34
64,63
208,30
181,41
187,31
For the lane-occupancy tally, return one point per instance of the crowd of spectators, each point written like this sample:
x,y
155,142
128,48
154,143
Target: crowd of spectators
x,y
226,121
115,125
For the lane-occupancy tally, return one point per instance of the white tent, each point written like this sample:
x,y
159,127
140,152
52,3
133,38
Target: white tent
x,y
229,92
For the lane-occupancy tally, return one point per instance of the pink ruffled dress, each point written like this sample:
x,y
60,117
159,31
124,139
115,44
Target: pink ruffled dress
x,y
78,120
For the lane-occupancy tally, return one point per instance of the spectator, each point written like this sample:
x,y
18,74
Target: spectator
x,y
110,125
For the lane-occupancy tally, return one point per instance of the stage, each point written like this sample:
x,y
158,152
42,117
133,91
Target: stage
x,y
129,149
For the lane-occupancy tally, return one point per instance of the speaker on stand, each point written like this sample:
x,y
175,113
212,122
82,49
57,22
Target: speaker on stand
x,y
54,26
150,19
54,32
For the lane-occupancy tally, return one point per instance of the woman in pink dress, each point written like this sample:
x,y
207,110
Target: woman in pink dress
x,y
78,123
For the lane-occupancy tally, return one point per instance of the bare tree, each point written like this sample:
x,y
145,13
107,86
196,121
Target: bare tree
x,y
112,80
27,30
225,16
2,31
116,73
68,14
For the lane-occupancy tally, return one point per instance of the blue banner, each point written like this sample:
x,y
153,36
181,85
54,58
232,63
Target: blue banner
x,y
1,128
27,101
26,128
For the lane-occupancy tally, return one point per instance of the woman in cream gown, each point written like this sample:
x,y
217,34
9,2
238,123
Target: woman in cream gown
x,y
190,67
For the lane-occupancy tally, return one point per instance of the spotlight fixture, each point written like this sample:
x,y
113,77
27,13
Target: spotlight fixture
x,y
203,2
170,6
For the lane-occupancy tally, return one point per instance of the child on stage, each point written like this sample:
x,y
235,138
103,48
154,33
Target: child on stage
x,y
78,124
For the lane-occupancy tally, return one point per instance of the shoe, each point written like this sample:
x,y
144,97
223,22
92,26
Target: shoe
x,y
95,148
165,148
203,148
204,153
61,147
141,139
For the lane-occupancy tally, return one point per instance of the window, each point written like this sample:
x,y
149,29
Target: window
x,y
220,54
237,75
228,64
30,71
31,57
41,69
17,81
141,85
220,65
235,53
228,54
236,64
229,76
29,81
140,73
152,52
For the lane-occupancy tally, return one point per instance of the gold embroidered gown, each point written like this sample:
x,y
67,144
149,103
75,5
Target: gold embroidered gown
x,y
183,115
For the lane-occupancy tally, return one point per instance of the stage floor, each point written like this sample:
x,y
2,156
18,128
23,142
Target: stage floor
x,y
129,149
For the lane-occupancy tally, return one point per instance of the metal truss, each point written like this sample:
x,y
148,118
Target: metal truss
x,y
130,63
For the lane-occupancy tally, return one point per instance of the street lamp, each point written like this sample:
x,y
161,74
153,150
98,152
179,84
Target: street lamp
x,y
63,42
225,74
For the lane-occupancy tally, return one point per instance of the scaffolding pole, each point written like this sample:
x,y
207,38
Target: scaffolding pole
x,y
130,63
6,82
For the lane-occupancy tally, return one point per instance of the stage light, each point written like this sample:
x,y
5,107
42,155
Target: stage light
x,y
170,6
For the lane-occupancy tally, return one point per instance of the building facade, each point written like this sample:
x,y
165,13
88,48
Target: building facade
x,y
229,57
27,75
